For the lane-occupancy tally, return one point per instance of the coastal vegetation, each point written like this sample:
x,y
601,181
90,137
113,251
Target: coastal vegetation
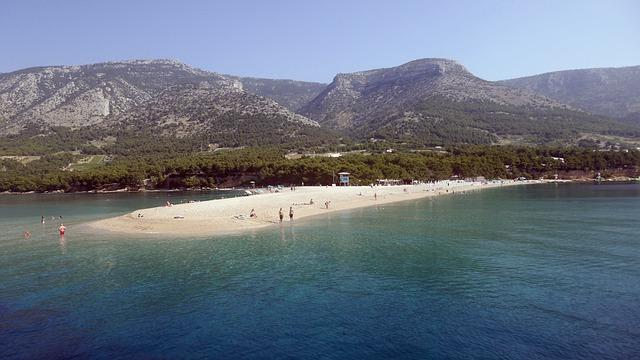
x,y
191,168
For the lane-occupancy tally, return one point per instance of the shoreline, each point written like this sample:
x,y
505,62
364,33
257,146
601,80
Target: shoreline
x,y
231,215
200,190
120,191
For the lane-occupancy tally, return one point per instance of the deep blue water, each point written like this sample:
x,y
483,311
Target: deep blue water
x,y
543,271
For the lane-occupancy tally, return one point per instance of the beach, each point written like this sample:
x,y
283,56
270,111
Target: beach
x,y
231,215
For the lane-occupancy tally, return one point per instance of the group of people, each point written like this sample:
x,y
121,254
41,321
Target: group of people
x,y
281,213
253,214
61,229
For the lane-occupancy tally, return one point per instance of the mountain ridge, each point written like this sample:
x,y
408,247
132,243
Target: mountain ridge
x,y
419,98
425,101
292,94
84,95
609,91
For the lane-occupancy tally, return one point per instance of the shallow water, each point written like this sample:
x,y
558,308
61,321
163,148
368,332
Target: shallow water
x,y
542,271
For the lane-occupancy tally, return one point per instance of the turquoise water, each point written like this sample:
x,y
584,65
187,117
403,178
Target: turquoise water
x,y
543,271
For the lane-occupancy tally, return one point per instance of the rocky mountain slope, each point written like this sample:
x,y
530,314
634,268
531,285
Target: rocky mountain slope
x,y
428,101
438,100
77,96
612,92
291,94
162,96
228,117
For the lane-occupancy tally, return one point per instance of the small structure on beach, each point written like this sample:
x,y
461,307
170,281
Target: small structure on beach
x,y
343,178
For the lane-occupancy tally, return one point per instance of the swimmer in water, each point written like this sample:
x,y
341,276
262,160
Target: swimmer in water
x,y
62,229
27,234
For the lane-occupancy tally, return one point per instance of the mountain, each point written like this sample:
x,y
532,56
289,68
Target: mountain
x,y
78,96
291,94
159,96
613,92
439,101
427,101
230,117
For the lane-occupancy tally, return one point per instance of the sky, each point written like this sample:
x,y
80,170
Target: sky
x,y
314,40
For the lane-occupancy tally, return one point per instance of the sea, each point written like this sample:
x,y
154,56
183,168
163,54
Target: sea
x,y
547,271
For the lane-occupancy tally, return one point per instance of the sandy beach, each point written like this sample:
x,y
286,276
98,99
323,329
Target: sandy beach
x,y
233,214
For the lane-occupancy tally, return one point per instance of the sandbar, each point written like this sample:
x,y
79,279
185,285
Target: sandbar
x,y
231,215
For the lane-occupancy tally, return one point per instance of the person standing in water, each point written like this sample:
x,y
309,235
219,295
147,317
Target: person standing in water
x,y
281,214
290,213
62,229
42,219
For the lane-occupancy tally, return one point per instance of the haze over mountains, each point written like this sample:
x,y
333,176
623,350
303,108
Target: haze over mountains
x,y
291,94
427,101
613,92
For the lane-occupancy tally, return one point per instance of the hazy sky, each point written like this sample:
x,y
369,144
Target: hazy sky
x,y
314,40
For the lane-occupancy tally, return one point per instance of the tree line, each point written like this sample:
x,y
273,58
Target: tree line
x,y
268,166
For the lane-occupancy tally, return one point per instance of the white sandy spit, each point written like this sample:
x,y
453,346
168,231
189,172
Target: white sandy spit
x,y
233,214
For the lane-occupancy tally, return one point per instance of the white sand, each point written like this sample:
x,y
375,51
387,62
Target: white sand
x,y
232,215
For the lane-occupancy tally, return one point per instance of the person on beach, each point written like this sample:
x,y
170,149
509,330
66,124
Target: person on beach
x,y
326,204
281,214
375,196
311,202
290,213
253,214
62,229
